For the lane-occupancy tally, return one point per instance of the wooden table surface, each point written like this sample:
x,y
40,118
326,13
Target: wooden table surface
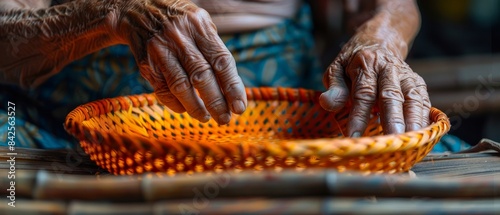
x,y
65,182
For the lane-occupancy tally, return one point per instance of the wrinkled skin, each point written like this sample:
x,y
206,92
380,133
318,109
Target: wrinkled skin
x,y
174,42
179,52
370,71
376,77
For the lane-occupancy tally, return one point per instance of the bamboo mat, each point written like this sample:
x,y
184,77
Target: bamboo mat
x,y
70,161
484,165
66,182
256,206
66,161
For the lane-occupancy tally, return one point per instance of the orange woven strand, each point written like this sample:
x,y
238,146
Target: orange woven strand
x,y
282,128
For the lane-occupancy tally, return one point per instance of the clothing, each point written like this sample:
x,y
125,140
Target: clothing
x,y
236,16
280,55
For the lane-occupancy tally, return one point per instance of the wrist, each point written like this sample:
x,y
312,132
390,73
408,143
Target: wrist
x,y
380,31
140,20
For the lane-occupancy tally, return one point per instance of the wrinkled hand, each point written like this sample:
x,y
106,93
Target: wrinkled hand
x,y
179,52
376,74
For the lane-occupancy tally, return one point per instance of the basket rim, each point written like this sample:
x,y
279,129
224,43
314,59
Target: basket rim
x,y
73,123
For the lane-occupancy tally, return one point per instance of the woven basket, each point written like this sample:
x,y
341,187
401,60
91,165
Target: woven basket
x,y
281,128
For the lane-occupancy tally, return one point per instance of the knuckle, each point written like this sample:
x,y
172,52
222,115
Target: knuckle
x,y
223,62
201,76
363,56
217,105
407,82
365,88
167,98
194,63
164,93
391,94
413,95
199,14
230,87
180,85
188,57
197,112
364,53
424,95
156,75
334,75
201,18
364,98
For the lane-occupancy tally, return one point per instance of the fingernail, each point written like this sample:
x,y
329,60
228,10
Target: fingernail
x,y
396,128
333,93
224,118
238,107
327,99
356,134
206,118
400,128
413,127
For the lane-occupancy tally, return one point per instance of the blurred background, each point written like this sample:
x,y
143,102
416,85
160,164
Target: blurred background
x,y
457,52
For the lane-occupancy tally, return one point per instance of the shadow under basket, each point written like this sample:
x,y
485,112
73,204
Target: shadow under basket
x,y
281,128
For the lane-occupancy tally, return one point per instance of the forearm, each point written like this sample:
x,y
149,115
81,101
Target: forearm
x,y
395,23
7,5
40,42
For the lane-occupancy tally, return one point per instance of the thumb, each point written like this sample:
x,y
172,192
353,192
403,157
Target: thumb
x,y
337,94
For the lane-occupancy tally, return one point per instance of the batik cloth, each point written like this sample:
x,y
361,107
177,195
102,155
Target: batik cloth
x,y
281,55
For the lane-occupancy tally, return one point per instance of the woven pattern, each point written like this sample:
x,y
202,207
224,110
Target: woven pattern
x,y
282,128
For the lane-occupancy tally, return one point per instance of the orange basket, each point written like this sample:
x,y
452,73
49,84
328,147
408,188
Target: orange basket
x,y
281,128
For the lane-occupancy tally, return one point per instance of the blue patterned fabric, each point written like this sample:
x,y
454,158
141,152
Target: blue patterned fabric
x,y
281,55
450,143
40,112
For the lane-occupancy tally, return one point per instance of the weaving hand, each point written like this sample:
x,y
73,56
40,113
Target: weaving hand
x,y
174,42
179,52
370,70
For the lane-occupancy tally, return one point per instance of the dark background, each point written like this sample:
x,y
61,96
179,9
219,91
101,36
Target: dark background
x,y
458,29
451,31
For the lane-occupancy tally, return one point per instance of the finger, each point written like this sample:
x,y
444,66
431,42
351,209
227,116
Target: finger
x,y
412,105
222,62
391,101
168,99
160,87
178,82
204,80
426,103
364,95
337,94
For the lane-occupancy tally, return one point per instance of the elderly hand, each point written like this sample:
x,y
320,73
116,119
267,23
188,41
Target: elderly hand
x,y
179,52
374,73
174,42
